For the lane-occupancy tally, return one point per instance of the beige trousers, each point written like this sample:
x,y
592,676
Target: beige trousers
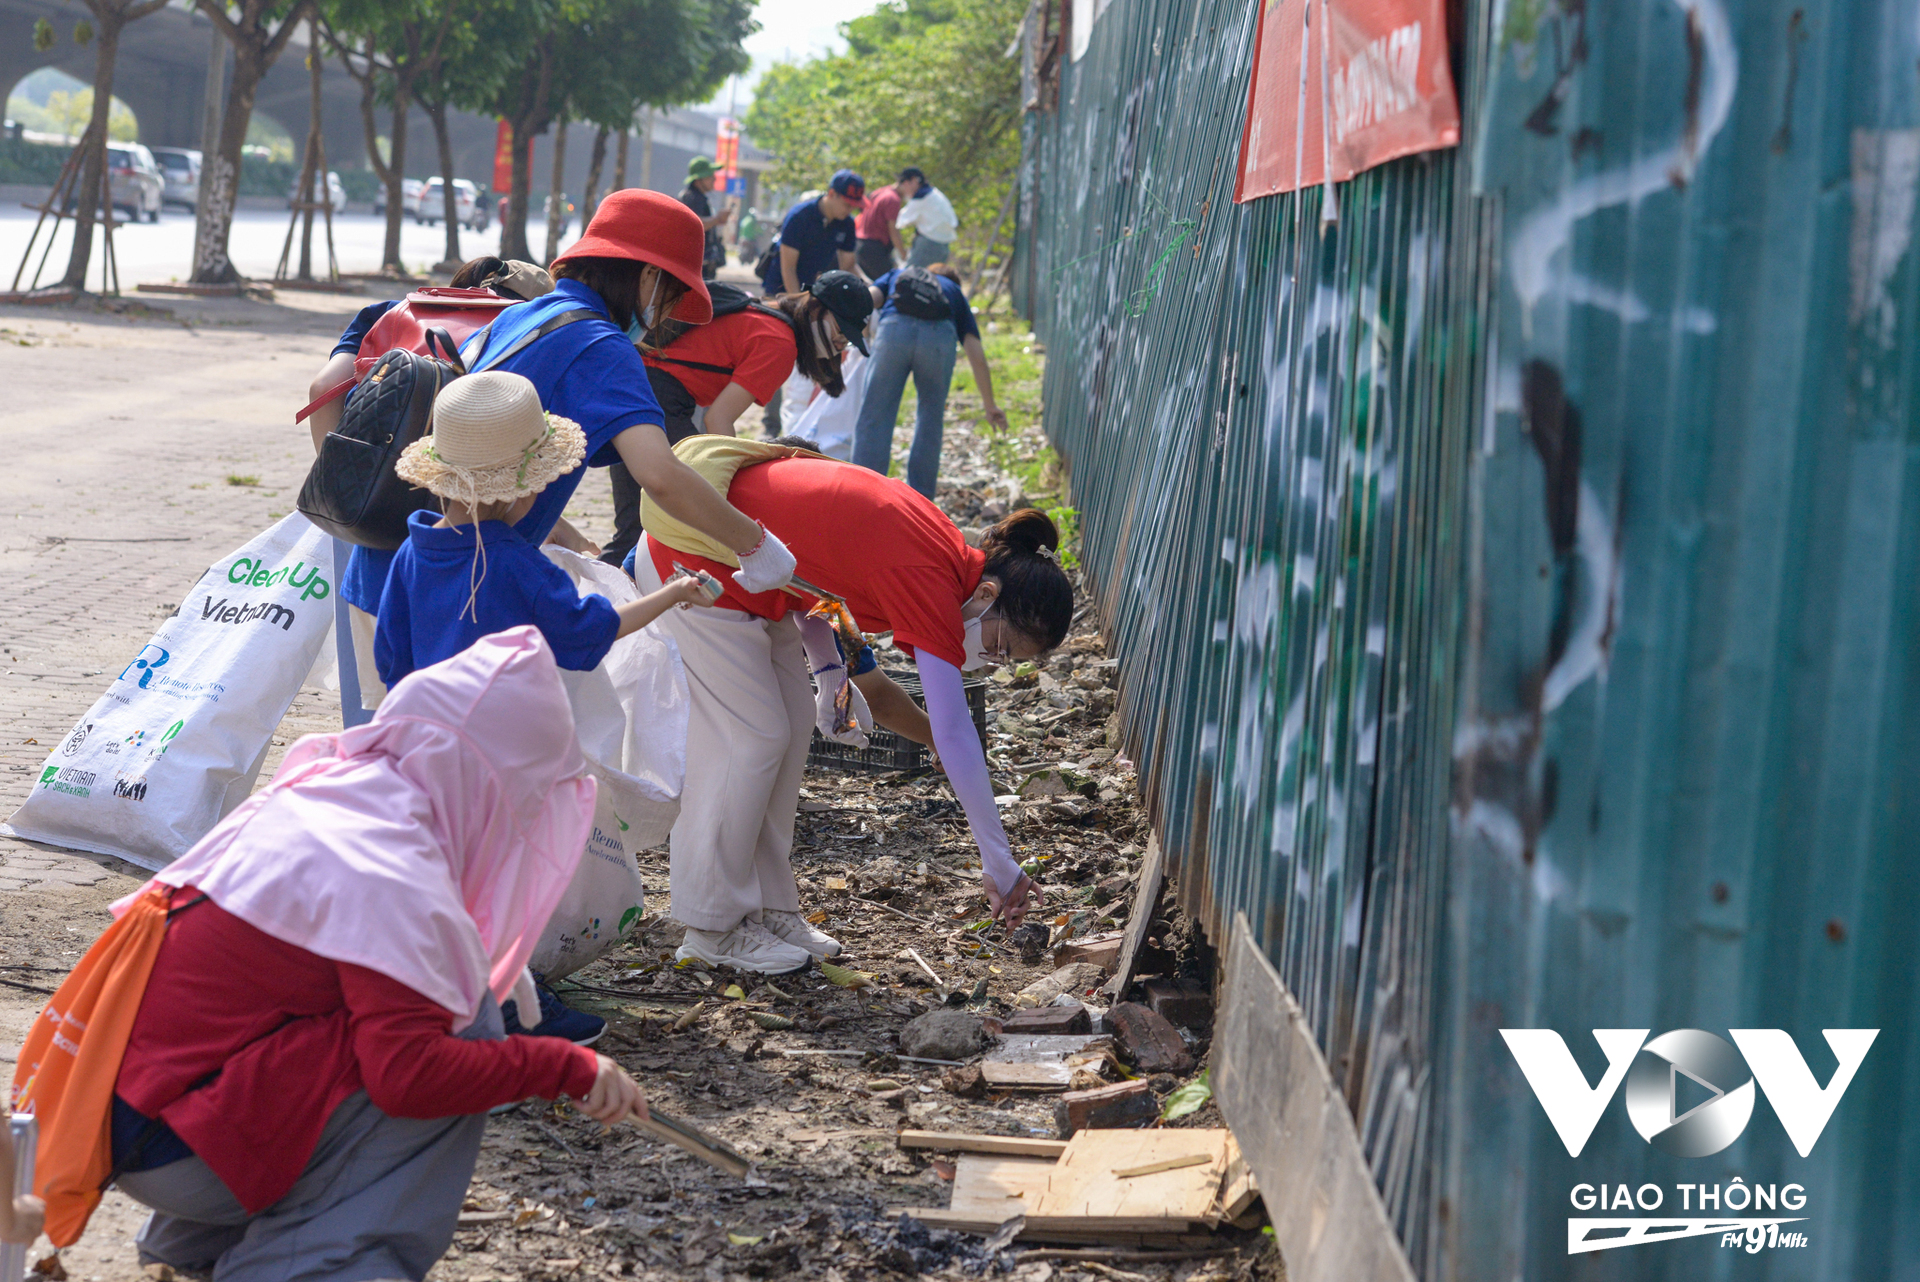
x,y
747,735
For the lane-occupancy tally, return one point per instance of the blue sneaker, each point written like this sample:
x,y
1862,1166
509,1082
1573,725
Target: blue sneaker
x,y
557,1019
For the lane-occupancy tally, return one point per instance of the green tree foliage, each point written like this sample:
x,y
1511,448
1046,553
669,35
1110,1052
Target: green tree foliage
x,y
599,61
923,82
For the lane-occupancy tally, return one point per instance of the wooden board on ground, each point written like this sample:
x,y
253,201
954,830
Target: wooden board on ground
x,y
1042,1061
968,1142
1146,901
996,1189
1087,1179
1068,1232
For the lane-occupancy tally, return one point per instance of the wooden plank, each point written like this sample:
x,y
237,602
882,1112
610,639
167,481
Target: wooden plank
x,y
1146,901
1164,1164
1273,1087
1108,1230
968,1142
1238,1187
990,1187
1051,1076
1084,1183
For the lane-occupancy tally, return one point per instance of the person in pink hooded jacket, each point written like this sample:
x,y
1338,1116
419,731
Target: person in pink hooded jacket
x,y
309,1073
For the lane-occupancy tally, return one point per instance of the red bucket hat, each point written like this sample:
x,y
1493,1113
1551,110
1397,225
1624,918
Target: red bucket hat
x,y
651,227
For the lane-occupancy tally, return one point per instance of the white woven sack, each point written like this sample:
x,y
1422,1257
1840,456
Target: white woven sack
x,y
631,715
179,736
828,421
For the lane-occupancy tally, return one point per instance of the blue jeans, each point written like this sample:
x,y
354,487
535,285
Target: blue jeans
x,y
926,349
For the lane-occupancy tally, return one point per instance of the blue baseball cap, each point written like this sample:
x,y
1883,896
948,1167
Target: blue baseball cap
x,y
850,185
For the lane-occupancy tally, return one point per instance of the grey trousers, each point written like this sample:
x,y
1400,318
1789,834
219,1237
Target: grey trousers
x,y
380,1198
926,251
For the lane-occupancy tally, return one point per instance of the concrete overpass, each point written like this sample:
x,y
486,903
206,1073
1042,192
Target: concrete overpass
x,y
162,76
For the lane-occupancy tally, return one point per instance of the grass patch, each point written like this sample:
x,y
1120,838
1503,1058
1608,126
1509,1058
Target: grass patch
x,y
234,478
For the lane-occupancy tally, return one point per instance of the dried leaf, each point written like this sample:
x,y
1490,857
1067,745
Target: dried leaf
x,y
817,917
883,1084
736,992
691,1018
845,977
1190,1098
746,1239
771,1022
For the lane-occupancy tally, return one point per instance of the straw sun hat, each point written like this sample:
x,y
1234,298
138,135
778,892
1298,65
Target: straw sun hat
x,y
491,442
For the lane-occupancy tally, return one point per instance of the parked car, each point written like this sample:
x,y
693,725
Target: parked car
x,y
537,209
409,198
134,182
180,172
335,192
469,209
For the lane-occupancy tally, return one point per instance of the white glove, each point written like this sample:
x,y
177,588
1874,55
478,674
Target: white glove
x,y
768,566
827,684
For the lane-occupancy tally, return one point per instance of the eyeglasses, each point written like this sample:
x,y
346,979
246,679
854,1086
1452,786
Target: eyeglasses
x,y
999,657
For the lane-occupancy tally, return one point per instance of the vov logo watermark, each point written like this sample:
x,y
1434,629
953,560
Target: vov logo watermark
x,y
1766,1058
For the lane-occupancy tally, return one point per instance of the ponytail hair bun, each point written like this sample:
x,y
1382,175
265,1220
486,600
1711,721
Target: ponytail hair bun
x,y
1036,597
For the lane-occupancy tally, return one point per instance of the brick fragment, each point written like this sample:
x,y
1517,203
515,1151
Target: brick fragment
x,y
1049,1020
1149,1040
1102,952
1121,1106
1180,1004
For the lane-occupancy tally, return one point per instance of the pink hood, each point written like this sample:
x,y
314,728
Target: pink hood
x,y
431,844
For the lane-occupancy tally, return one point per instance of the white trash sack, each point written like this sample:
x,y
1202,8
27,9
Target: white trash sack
x,y
631,715
828,421
180,735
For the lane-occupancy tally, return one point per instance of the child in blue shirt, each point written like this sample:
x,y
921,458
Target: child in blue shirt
x,y
469,574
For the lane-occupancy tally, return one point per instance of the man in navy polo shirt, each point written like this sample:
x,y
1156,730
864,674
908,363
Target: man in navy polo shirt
x,y
817,236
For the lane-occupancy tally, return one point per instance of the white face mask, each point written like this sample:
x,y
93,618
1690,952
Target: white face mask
x,y
977,654
644,320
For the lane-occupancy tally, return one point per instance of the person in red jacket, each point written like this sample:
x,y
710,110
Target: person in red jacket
x,y
306,1082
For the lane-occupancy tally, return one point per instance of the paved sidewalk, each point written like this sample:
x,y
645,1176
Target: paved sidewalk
x,y
137,452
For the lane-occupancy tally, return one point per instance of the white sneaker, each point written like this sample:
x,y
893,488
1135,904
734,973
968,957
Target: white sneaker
x,y
795,930
748,946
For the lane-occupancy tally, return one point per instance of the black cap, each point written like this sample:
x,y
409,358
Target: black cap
x,y
847,297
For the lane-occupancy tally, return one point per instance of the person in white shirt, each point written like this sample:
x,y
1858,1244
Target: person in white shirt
x,y
927,210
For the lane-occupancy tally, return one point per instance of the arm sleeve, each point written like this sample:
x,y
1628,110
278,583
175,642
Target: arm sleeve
x,y
823,647
580,628
393,634
413,1066
356,330
964,325
966,764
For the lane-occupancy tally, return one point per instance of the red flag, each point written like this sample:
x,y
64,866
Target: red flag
x,y
503,157
1379,89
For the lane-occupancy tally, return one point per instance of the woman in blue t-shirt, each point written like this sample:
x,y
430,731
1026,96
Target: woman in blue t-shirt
x,y
923,314
637,264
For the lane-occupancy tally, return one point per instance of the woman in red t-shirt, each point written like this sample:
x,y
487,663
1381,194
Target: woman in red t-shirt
x,y
742,358
902,568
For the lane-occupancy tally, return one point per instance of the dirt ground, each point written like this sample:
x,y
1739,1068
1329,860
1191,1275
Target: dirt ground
x,y
885,863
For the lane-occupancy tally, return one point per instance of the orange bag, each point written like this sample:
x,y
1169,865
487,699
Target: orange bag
x,y
71,1060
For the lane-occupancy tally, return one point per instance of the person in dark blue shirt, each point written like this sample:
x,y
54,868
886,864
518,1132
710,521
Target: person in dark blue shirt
x,y
916,335
817,236
492,456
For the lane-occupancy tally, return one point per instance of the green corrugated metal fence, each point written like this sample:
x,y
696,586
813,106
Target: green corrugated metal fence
x,y
1515,579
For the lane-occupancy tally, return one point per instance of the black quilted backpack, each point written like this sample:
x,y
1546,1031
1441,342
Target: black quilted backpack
x,y
352,491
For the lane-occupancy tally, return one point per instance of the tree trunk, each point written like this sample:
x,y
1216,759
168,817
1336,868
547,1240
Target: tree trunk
x,y
396,175
94,191
312,163
620,164
557,193
437,113
214,224
590,198
513,230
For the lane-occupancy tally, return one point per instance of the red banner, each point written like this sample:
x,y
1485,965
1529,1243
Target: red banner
x,y
726,150
502,158
1380,88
